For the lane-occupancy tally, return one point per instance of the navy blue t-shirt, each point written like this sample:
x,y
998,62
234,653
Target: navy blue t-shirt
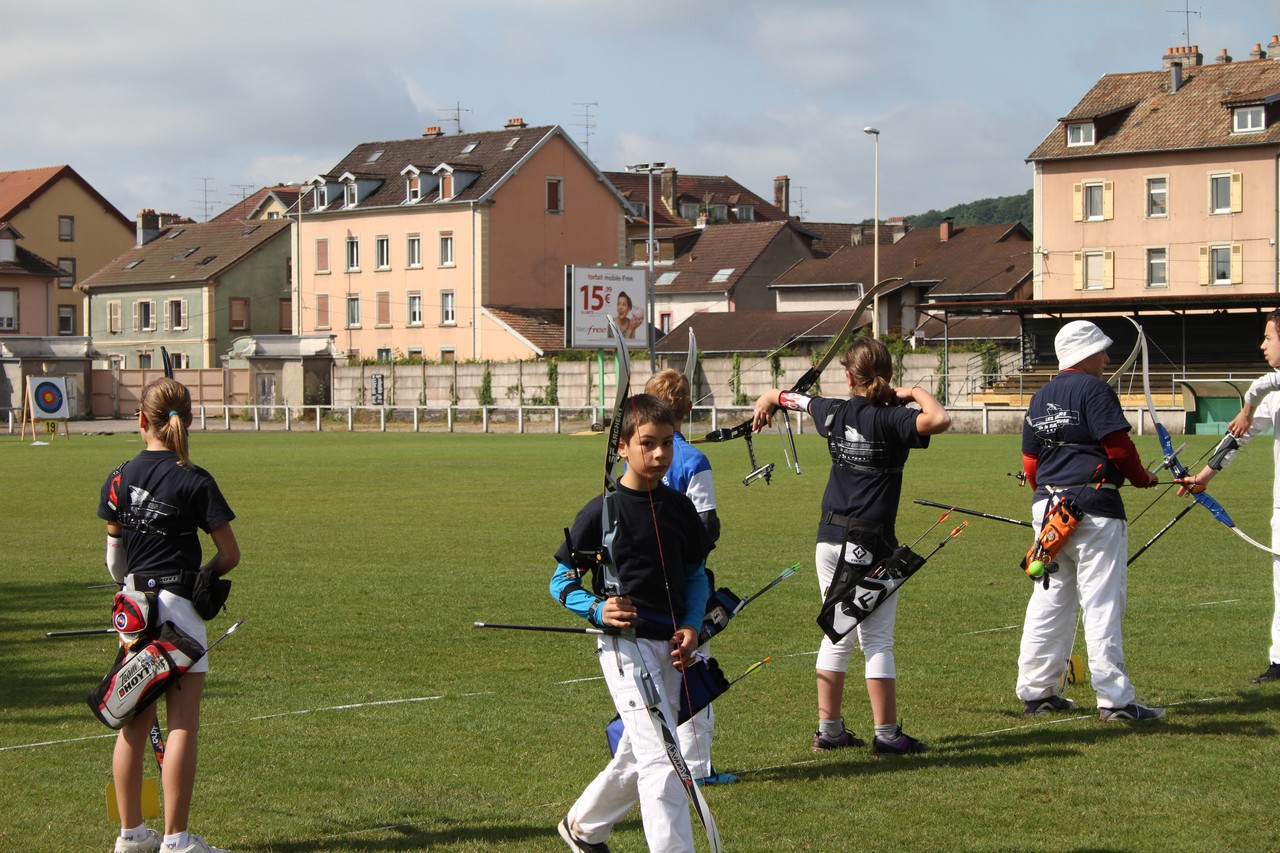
x,y
161,506
1065,423
862,436
659,534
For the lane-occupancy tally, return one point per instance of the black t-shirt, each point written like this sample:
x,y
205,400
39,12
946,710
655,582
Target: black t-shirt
x,y
659,534
1066,421
161,506
869,445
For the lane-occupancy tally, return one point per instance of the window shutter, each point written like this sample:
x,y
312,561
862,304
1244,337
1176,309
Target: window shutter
x,y
1204,266
168,306
1108,200
1109,270
1237,254
1237,200
184,313
137,318
1077,270
1077,202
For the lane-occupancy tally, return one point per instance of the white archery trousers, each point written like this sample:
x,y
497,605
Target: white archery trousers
x,y
640,770
1275,579
874,634
1092,576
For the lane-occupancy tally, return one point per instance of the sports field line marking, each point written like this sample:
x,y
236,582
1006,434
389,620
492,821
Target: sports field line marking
x,y
350,707
1057,720
1212,603
989,630
579,680
54,742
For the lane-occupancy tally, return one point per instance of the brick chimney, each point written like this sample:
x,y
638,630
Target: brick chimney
x,y
945,230
514,124
1187,57
782,194
148,226
1257,52
1223,58
669,187
897,228
1273,47
432,132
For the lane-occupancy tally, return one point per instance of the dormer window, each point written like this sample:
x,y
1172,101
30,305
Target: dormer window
x,y
745,213
639,208
446,186
1249,119
413,188
350,194
320,197
1081,133
688,210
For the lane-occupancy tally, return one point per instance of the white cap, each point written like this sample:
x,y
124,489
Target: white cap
x,y
1078,340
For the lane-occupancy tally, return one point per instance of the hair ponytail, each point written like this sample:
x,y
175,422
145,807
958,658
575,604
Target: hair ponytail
x,y
869,362
167,405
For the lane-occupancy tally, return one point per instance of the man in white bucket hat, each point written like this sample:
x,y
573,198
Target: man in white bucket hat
x,y
1076,452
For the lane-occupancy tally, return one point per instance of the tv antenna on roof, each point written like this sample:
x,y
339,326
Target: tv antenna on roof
x,y
587,124
457,111
1187,12
205,204
800,211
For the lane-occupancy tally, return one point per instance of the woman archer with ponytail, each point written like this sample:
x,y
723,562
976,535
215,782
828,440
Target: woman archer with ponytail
x,y
869,436
155,505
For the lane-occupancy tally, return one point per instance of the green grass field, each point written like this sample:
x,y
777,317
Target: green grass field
x,y
357,709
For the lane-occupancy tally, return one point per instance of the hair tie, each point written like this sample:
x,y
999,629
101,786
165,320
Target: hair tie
x,y
172,412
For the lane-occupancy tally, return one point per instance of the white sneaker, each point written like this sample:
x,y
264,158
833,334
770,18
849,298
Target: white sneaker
x,y
197,845
147,845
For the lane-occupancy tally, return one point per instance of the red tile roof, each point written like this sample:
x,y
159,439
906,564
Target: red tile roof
x,y
757,331
1137,112
542,327
712,189
242,210
187,252
702,267
18,189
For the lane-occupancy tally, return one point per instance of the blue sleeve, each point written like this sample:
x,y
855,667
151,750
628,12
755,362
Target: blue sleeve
x,y
696,590
567,589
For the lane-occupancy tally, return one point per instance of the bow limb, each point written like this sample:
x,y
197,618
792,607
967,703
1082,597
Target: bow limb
x,y
1171,461
613,586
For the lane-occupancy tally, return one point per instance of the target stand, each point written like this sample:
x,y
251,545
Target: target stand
x,y
46,400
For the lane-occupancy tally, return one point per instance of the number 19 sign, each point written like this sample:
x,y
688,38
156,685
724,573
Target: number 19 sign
x,y
593,294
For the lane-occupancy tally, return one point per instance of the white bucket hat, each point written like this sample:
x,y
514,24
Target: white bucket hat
x,y
1078,340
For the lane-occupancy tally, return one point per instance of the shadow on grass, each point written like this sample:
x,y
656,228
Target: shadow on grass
x,y
416,836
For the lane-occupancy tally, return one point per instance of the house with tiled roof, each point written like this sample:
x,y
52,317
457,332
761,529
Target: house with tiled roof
x,y
813,297
266,203
27,285
1162,184
192,288
63,219
453,247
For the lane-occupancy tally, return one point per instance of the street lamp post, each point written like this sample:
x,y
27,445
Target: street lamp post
x,y
650,168
875,235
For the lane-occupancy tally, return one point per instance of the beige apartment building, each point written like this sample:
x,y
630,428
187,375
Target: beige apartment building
x,y
452,247
1163,185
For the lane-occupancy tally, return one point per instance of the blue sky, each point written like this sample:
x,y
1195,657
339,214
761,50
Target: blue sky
x,y
167,105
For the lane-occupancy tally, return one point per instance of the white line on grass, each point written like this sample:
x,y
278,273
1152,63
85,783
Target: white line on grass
x,y
989,630
1212,603
350,707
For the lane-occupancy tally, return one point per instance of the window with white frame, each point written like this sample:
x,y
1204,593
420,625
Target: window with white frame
x,y
415,309
664,321
320,197
179,360
8,310
66,229
1080,133
1157,198
413,251
1093,197
113,317
689,210
718,213
144,316
1157,267
322,255
1249,119
745,213
1093,271
1225,192
555,200
239,310
448,309
353,311
384,355
446,186
353,254
382,251
350,196
176,314
446,248
412,187
66,319
68,277
1220,266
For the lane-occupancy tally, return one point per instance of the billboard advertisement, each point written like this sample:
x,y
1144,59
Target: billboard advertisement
x,y
593,294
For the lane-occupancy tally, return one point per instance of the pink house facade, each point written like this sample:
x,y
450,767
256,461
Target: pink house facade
x,y
452,247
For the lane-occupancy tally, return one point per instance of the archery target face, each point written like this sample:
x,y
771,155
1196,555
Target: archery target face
x,y
49,398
